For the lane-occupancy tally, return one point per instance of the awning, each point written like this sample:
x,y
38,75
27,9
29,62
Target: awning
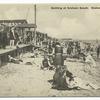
x,y
14,21
26,26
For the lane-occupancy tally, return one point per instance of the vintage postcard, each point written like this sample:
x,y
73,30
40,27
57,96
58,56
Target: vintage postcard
x,y
49,50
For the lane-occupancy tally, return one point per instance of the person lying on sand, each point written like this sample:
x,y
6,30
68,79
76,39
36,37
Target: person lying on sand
x,y
80,83
14,60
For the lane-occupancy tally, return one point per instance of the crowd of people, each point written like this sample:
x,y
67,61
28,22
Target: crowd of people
x,y
8,36
74,49
77,49
56,56
12,36
56,53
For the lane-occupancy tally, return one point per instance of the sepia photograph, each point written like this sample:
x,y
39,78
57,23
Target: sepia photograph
x,y
50,50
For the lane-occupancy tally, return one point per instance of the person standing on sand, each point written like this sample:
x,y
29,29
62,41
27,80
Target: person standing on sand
x,y
12,37
98,51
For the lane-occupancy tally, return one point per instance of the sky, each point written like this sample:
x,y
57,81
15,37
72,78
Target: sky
x,y
59,23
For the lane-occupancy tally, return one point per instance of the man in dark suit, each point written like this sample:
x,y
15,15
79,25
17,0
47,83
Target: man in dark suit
x,y
3,36
98,51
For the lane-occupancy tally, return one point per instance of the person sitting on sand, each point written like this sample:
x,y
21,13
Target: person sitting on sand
x,y
89,60
89,63
36,52
45,63
64,79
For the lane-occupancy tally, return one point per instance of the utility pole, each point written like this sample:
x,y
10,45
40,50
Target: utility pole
x,y
35,24
35,13
27,14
